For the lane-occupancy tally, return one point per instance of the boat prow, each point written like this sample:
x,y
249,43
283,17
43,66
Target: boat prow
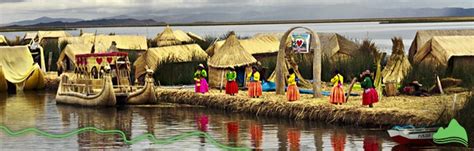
x,y
106,97
412,135
145,95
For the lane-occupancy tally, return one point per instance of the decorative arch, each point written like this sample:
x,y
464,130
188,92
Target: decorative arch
x,y
281,66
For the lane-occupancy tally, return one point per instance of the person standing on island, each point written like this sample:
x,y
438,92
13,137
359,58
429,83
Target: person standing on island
x,y
255,87
293,93
200,79
231,86
113,47
370,96
337,92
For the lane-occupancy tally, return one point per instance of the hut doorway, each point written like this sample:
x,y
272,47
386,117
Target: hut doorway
x,y
240,76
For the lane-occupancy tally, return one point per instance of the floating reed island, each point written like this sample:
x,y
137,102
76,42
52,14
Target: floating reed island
x,y
419,111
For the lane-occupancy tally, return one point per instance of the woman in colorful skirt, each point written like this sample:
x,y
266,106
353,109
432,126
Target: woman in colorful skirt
x,y
293,93
231,86
255,87
200,79
337,92
370,96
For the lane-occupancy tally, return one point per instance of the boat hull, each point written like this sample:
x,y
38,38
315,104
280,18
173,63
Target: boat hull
x,y
414,136
106,97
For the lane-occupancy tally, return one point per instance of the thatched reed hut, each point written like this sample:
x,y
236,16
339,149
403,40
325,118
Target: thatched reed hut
x,y
67,58
170,37
446,51
424,36
398,65
230,54
179,55
103,42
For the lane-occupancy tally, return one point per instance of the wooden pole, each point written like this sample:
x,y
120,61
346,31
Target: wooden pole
x,y
439,85
50,59
222,78
354,80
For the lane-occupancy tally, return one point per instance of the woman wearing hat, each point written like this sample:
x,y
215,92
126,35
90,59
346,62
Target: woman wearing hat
x,y
231,86
255,87
337,92
370,96
200,78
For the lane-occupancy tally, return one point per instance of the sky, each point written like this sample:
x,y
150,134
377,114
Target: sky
x,y
17,10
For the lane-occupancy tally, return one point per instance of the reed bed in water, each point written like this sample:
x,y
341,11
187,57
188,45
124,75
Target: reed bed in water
x,y
421,111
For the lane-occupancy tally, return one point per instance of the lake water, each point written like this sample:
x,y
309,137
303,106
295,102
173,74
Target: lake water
x,y
32,109
378,33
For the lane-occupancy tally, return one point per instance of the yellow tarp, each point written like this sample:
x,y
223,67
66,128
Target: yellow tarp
x,y
442,48
170,54
3,40
17,63
3,81
70,51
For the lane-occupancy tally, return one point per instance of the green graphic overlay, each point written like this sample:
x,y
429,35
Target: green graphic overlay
x,y
454,133
139,138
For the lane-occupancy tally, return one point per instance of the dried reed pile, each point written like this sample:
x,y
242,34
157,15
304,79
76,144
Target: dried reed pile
x,y
423,111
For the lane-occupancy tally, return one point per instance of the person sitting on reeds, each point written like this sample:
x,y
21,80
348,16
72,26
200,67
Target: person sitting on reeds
x,y
337,92
200,79
370,96
255,87
293,93
231,86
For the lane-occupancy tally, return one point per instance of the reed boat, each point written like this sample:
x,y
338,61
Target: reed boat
x,y
103,79
411,135
81,94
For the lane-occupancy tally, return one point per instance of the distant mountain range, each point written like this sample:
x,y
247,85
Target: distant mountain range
x,y
185,16
44,20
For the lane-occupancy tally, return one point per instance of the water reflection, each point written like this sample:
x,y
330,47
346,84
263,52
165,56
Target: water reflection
x,y
167,120
102,118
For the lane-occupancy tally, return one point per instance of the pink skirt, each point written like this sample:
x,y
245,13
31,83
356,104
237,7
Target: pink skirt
x,y
204,88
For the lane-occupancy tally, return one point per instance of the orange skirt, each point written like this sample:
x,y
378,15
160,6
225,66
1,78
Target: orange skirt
x,y
337,95
293,93
255,89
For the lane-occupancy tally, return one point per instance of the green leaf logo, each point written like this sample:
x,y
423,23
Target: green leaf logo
x,y
454,133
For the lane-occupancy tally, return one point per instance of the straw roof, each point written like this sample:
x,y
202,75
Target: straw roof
x,y
231,54
30,35
195,36
53,34
424,36
398,65
171,37
103,42
263,43
71,50
442,48
3,40
124,42
170,54
88,34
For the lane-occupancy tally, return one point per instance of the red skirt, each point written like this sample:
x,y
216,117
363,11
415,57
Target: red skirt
x,y
231,87
370,96
293,93
337,95
255,89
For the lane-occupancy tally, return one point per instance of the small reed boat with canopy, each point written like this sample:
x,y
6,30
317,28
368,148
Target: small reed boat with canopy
x,y
103,79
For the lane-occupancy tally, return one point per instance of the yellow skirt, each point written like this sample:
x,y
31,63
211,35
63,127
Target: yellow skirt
x,y
293,93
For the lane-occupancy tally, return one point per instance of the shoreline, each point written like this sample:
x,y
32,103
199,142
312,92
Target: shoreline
x,y
390,111
267,22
